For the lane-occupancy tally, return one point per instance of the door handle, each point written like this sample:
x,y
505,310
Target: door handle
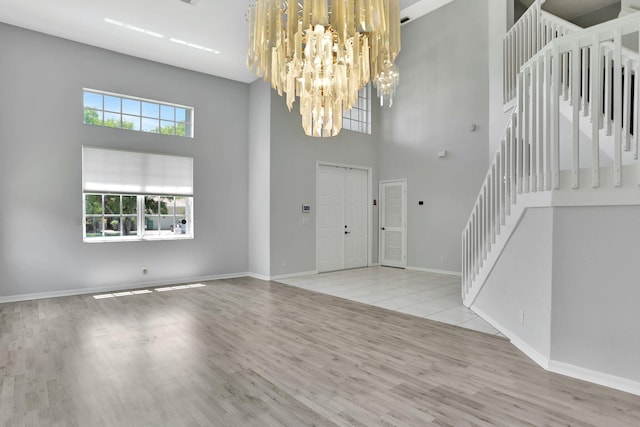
x,y
347,232
382,228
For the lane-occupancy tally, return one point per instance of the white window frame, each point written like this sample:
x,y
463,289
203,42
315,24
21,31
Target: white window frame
x,y
177,232
189,124
358,118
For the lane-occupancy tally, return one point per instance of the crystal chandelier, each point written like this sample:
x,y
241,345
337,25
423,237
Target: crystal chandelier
x,y
386,84
324,52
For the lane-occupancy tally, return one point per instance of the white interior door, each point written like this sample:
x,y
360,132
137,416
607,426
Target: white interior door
x,y
355,218
393,223
342,218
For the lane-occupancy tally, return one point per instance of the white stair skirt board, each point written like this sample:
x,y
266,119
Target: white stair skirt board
x,y
118,287
567,369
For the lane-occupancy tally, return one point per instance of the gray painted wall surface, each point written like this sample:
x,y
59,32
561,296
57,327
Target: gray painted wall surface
x,y
41,135
259,177
498,12
443,89
595,289
293,182
521,280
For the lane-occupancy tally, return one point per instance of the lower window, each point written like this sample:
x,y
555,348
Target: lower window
x,y
121,217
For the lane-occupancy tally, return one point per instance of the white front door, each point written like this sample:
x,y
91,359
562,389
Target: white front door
x,y
393,223
342,219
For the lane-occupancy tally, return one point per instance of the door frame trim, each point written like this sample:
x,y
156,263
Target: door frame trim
x,y
369,171
404,219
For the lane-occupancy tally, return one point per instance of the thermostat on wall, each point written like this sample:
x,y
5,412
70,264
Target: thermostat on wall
x,y
306,208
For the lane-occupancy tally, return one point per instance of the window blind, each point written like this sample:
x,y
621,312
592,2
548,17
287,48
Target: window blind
x,y
115,171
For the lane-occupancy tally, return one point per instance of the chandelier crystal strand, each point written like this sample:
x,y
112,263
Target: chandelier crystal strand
x,y
386,84
324,52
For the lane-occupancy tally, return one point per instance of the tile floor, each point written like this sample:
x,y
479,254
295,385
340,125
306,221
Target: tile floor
x,y
432,296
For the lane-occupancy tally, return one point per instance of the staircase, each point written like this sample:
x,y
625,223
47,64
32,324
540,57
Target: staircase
x,y
571,140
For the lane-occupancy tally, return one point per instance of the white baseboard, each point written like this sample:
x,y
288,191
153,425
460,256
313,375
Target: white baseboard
x,y
430,270
292,275
596,377
259,276
118,287
573,371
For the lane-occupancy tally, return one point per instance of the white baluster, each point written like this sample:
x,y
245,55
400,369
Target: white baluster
x,y
575,102
596,109
558,60
617,102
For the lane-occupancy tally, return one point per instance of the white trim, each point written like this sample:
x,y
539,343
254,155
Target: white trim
x,y
595,377
369,171
509,106
520,344
259,276
562,368
434,271
111,288
405,231
292,275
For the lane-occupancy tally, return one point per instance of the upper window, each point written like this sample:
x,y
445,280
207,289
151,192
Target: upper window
x,y
358,118
127,112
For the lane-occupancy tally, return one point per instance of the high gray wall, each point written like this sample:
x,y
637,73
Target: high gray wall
x,y
443,90
595,289
41,135
259,178
293,182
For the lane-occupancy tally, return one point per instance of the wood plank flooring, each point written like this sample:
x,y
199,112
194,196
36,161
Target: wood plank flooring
x,y
245,352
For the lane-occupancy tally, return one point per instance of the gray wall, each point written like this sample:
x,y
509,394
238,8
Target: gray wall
x,y
443,90
41,247
595,289
259,178
521,281
293,182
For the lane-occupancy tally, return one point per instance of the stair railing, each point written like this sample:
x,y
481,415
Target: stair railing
x,y
533,31
588,69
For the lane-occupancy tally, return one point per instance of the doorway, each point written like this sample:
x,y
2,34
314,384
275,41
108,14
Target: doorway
x,y
393,223
342,230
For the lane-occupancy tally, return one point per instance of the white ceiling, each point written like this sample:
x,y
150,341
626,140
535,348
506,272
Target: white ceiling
x,y
219,25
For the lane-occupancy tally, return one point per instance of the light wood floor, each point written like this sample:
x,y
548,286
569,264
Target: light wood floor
x,y
245,352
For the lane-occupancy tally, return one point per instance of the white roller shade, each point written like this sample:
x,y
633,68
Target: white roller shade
x,y
115,171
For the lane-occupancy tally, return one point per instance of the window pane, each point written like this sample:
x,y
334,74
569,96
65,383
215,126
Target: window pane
x,y
112,226
150,205
150,125
167,224
167,112
112,103
150,110
130,122
112,120
151,223
182,115
181,129
167,128
92,100
93,226
111,204
131,106
93,204
129,226
180,226
93,117
129,205
166,205
181,206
